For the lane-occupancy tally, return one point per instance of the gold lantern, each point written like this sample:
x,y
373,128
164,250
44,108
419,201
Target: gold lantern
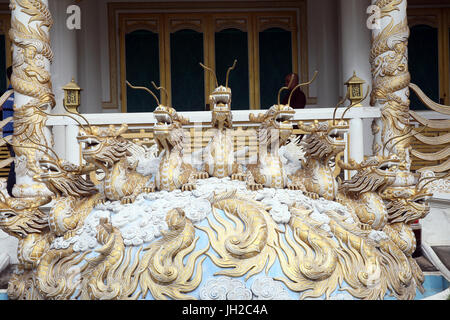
x,y
355,91
72,96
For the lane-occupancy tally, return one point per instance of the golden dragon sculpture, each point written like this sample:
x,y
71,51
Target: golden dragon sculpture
x,y
174,172
268,169
22,219
274,131
220,160
324,141
74,196
107,150
361,193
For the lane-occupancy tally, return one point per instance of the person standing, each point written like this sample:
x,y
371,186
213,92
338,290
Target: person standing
x,y
8,130
298,99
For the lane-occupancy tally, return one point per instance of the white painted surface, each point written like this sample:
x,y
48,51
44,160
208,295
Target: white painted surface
x,y
356,141
89,57
323,44
8,245
436,226
355,41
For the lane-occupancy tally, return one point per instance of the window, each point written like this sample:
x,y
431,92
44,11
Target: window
x,y
429,54
167,48
5,50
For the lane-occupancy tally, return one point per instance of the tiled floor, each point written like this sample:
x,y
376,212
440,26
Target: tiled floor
x,y
443,254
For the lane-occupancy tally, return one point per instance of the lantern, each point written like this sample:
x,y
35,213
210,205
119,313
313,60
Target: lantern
x,y
355,91
72,96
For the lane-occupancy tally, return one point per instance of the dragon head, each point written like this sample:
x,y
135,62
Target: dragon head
x,y
103,147
168,130
21,217
324,139
220,100
407,204
374,174
64,178
275,122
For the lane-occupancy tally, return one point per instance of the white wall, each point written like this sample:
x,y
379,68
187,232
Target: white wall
x,y
89,57
323,51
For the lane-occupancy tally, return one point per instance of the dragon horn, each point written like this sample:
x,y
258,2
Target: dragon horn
x,y
302,85
212,71
336,108
58,115
279,93
356,103
161,88
79,115
228,72
145,89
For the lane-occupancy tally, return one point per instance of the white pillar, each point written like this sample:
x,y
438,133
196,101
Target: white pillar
x,y
355,41
355,53
324,43
73,147
390,73
64,67
32,90
89,57
356,140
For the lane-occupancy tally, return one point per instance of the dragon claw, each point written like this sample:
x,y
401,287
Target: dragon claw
x,y
100,201
202,175
127,200
148,189
239,177
312,195
188,187
255,186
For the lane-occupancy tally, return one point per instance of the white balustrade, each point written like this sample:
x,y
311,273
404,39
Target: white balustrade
x,y
356,142
203,119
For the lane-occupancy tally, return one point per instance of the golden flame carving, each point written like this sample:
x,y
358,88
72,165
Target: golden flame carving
x,y
162,270
246,241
